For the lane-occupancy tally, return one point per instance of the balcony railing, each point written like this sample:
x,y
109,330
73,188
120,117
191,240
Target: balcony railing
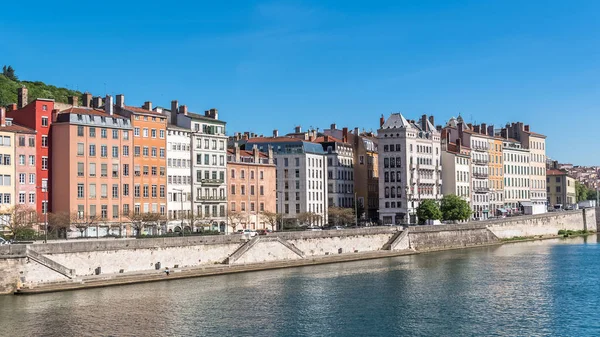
x,y
481,189
480,175
212,181
210,198
480,161
480,148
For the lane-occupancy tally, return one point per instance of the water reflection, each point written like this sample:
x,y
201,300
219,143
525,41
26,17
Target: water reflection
x,y
533,288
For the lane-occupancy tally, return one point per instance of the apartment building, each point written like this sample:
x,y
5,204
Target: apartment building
x,y
535,143
252,188
409,167
37,116
149,152
516,174
496,173
456,168
301,175
340,171
209,155
94,148
366,170
179,179
560,188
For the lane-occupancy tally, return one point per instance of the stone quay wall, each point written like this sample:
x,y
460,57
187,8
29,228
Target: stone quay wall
x,y
74,261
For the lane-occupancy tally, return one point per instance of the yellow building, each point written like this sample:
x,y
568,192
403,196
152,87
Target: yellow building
x,y
560,188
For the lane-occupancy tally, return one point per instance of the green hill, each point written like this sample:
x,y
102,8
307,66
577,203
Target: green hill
x,y
9,87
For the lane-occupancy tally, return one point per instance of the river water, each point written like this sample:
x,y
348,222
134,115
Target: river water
x,y
541,288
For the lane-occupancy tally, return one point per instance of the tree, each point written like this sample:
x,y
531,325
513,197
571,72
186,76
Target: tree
x,y
9,72
340,215
308,218
235,218
428,210
19,220
272,218
82,222
59,222
591,194
581,191
454,208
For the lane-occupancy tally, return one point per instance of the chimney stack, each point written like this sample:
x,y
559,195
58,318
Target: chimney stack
x,y
108,105
54,115
490,130
236,152
345,135
12,107
298,129
504,133
476,129
73,100
470,126
2,116
97,102
120,100
484,129
87,100
381,121
255,153
270,154
275,133
22,97
183,110
459,126
356,133
526,128
147,105
424,122
333,126
431,120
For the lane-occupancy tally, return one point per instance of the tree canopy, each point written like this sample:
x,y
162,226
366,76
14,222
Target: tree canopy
x,y
454,208
428,210
10,84
341,216
9,72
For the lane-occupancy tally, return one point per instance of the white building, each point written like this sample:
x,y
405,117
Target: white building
x,y
301,176
456,168
516,175
179,178
208,153
409,167
340,171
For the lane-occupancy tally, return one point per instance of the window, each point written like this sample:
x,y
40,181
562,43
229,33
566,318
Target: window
x,y
92,132
115,134
80,170
22,197
162,133
21,140
44,162
45,121
80,149
115,211
115,152
115,170
125,190
126,150
103,151
103,170
126,134
103,212
162,152
146,191
32,141
92,150
80,191
32,198
115,191
103,191
21,159
31,178
92,190
103,133
145,151
153,133
136,132
153,152
145,132
22,178
136,151
44,141
136,191
154,191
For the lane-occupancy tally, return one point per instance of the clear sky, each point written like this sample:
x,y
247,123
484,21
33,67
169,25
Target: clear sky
x,y
278,64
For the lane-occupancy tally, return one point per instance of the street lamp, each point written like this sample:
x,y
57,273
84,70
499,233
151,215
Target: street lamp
x,y
180,190
45,210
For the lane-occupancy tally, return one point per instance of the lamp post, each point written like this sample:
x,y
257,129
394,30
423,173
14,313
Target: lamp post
x,y
181,201
45,210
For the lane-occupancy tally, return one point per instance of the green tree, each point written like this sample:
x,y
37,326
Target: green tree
x,y
581,190
9,72
341,216
591,194
428,210
454,208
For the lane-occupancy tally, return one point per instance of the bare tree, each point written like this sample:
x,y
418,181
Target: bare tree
x,y
235,218
341,215
271,218
137,221
82,222
60,222
308,218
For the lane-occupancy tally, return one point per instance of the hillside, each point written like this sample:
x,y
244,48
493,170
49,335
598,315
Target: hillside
x,y
8,91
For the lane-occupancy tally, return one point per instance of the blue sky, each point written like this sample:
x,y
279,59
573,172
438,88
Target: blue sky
x,y
278,64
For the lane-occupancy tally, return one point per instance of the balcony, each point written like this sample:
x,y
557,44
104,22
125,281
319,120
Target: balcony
x,y
480,161
481,189
480,175
212,181
210,198
480,148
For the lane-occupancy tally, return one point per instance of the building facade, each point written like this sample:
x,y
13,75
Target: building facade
x,y
560,189
340,171
456,168
516,175
496,174
252,190
409,167
179,179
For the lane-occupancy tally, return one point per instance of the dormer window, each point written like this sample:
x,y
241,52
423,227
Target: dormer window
x,y
79,117
103,119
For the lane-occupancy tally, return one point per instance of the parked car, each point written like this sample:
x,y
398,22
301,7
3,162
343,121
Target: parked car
x,y
313,228
250,232
336,228
239,231
262,232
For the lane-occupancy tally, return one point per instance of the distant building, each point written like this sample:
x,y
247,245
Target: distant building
x,y
456,168
340,171
409,167
179,179
561,189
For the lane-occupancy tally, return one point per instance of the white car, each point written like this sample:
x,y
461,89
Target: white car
x,y
250,232
3,242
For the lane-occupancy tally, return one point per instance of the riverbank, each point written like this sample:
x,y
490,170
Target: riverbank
x,y
78,265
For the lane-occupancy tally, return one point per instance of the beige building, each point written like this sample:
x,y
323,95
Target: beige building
x,y
560,188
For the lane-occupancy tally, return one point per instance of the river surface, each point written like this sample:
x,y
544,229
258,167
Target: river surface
x,y
541,288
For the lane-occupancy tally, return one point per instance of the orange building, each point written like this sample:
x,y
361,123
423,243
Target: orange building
x,y
149,146
252,188
496,175
94,181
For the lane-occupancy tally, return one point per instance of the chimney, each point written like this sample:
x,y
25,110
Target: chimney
x,y
504,133
12,107
246,135
381,121
345,135
147,105
470,126
236,152
490,130
356,132
2,116
298,129
447,137
54,115
431,120
275,133
87,99
22,97
97,102
213,113
255,153
120,100
476,129
484,129
333,126
183,110
270,154
458,141
459,126
438,128
108,105
424,122
73,100
526,128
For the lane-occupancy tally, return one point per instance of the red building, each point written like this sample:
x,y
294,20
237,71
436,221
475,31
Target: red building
x,y
37,115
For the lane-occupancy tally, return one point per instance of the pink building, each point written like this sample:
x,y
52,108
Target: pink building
x,y
93,151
